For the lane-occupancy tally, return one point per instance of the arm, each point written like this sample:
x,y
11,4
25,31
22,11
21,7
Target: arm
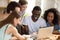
x,y
13,38
16,34
56,29
43,23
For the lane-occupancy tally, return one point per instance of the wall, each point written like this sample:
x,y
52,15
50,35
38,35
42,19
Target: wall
x,y
46,4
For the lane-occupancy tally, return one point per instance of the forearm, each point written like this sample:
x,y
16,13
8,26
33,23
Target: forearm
x,y
13,38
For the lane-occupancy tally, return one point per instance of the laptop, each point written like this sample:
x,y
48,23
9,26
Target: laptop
x,y
45,32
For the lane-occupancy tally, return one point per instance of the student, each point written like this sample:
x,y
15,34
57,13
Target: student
x,y
11,7
51,17
8,26
23,29
34,22
23,7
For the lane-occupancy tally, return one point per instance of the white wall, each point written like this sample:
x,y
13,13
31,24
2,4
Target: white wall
x,y
30,6
46,4
58,5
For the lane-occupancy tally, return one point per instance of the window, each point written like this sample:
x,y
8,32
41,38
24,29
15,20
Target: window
x,y
31,4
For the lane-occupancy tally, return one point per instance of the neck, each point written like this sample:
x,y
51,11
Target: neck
x,y
51,24
14,25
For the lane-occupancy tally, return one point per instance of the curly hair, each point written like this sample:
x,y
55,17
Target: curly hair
x,y
55,12
36,8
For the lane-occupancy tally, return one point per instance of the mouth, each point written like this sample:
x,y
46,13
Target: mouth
x,y
36,17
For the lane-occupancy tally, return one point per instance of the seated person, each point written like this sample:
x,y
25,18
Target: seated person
x,y
34,22
51,17
10,8
22,29
7,27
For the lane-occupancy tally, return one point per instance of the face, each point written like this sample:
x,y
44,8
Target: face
x,y
17,9
50,17
17,21
23,7
36,14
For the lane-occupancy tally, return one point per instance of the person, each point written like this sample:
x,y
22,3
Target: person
x,y
23,7
8,25
22,29
51,17
10,7
34,22
13,6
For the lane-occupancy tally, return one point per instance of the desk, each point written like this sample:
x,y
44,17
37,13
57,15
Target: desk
x,y
46,34
52,37
58,36
30,37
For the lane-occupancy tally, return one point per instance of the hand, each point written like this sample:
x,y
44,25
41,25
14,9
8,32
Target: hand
x,y
25,38
13,38
34,34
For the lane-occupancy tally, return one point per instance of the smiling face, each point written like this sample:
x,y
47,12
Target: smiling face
x,y
36,14
50,17
23,7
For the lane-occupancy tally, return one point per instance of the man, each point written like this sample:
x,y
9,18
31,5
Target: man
x,y
34,22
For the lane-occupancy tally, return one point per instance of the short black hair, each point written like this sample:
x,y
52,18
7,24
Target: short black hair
x,y
23,2
55,12
11,6
37,8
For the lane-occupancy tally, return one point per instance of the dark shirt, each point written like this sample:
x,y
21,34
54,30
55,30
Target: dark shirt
x,y
56,27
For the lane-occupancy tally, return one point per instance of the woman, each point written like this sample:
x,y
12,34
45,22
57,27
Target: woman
x,y
8,26
51,17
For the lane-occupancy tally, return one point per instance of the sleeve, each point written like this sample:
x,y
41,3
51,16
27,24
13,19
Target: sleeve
x,y
43,23
56,27
24,22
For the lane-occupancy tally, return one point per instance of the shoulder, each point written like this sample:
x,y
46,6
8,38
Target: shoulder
x,y
28,17
11,27
41,19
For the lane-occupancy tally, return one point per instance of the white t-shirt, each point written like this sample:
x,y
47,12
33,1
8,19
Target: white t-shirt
x,y
34,26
